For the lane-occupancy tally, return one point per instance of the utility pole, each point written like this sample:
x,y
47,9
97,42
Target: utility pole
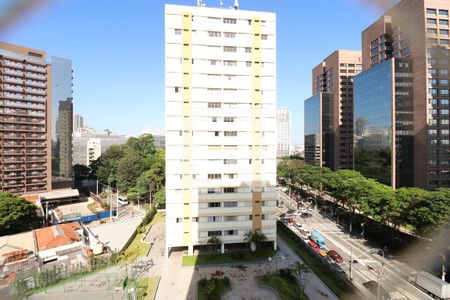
x,y
97,188
117,203
351,263
110,207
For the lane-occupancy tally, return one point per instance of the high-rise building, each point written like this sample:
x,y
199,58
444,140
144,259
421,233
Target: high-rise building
x,y
334,76
25,120
62,137
283,132
78,122
383,113
220,125
64,129
319,135
418,30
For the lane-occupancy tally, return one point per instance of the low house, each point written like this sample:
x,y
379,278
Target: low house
x,y
61,243
17,252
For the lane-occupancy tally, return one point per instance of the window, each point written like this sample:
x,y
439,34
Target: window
x,y
432,40
443,22
431,11
444,132
443,62
431,21
195,219
432,142
248,63
230,218
443,12
214,204
443,92
216,133
432,91
264,37
444,101
443,31
229,49
445,142
433,101
432,162
214,119
228,119
230,133
443,111
230,161
177,31
229,190
431,30
229,35
444,42
230,63
214,104
215,233
374,43
214,219
248,50
213,62
432,71
230,204
177,89
373,51
213,33
214,176
250,161
405,52
229,21
432,132
445,122
432,81
231,175
443,71
230,232
230,147
178,220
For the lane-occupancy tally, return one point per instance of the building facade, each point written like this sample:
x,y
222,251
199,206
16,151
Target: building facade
x,y
62,111
283,132
78,122
419,30
334,76
318,130
25,120
220,125
64,128
383,113
89,145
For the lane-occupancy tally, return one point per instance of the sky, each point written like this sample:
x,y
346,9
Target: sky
x,y
117,50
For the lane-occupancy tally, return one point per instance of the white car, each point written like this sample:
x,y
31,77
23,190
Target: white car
x,y
301,210
298,226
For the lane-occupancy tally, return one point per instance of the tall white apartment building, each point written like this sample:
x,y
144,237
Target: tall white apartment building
x,y
283,132
220,125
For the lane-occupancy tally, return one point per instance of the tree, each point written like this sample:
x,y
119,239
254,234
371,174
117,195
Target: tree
x,y
255,239
108,164
159,198
17,215
81,172
299,270
129,169
215,242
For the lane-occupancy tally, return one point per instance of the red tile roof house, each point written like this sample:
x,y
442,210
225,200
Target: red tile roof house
x,y
61,243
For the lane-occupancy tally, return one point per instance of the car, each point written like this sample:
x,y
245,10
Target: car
x,y
316,249
122,200
312,244
291,211
335,256
305,237
282,216
298,226
302,210
306,215
322,252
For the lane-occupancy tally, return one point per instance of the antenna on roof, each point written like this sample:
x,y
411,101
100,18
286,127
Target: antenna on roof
x,y
199,2
236,4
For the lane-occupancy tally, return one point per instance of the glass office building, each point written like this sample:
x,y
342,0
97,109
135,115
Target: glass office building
x,y
62,117
383,132
318,130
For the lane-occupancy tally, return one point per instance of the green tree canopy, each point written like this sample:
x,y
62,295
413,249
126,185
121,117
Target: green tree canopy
x,y
17,215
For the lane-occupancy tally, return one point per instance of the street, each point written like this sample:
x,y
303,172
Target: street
x,y
367,262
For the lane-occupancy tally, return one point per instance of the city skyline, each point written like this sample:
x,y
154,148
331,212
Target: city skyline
x,y
101,103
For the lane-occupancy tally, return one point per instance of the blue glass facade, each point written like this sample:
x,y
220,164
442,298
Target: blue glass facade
x,y
380,92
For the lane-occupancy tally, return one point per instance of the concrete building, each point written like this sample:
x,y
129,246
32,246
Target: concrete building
x,y
89,145
64,129
25,120
334,76
78,122
418,30
62,114
220,125
283,132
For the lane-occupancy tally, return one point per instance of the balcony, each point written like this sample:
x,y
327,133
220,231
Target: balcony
x,y
12,168
36,68
35,145
13,176
12,137
12,152
35,167
37,175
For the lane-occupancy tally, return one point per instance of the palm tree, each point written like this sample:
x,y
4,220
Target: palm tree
x,y
255,239
299,270
214,241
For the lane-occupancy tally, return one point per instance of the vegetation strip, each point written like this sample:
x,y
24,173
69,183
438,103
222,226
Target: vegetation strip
x,y
328,276
229,257
286,286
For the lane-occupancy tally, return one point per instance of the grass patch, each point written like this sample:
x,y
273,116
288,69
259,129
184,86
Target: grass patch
x,y
212,288
158,218
338,285
146,287
287,289
228,258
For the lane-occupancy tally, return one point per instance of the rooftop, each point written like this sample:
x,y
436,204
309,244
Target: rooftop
x,y
16,242
57,235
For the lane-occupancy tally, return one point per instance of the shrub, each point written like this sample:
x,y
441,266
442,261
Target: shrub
x,y
237,254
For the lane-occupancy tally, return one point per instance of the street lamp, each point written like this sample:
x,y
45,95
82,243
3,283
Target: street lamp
x,y
443,261
276,261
